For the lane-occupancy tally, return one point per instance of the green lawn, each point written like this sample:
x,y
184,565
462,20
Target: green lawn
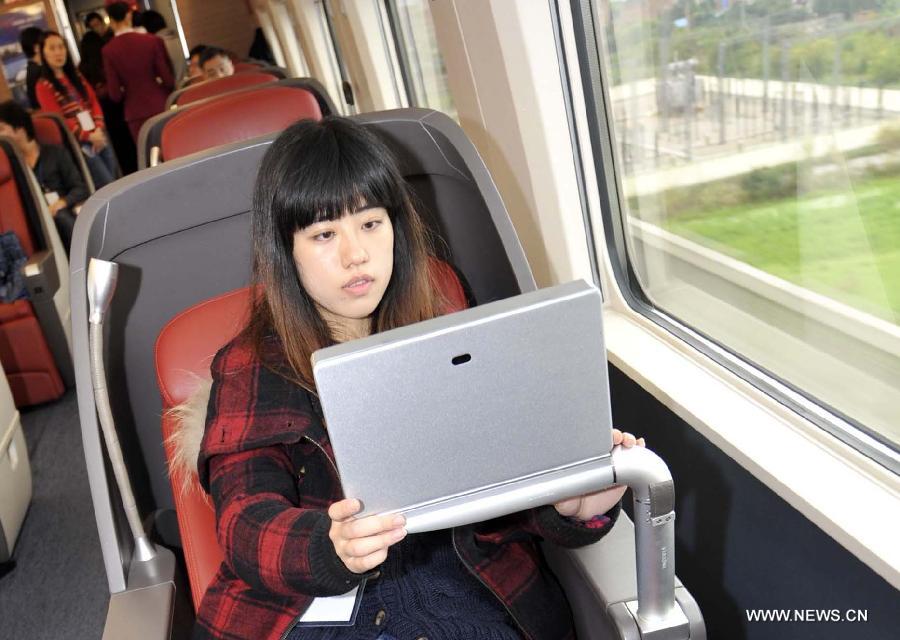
x,y
844,244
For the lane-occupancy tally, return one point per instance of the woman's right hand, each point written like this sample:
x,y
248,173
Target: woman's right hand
x,y
362,544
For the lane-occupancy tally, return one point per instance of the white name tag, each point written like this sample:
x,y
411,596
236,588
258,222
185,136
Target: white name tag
x,y
333,611
51,197
86,121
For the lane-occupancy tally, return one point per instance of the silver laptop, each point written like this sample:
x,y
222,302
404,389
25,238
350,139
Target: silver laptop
x,y
476,414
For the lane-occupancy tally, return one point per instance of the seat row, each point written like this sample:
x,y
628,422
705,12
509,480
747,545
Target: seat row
x,y
35,335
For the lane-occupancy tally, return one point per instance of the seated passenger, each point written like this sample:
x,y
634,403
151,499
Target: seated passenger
x,y
216,63
194,70
59,178
338,255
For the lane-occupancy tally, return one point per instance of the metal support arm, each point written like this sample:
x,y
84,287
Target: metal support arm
x,y
654,532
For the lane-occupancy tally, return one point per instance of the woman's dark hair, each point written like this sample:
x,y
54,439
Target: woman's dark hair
x,y
91,65
68,68
197,49
29,39
153,21
316,171
12,113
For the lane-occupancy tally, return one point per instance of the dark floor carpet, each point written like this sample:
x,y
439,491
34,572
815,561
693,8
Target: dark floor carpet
x,y
57,588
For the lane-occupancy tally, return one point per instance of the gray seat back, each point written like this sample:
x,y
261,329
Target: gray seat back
x,y
180,233
151,131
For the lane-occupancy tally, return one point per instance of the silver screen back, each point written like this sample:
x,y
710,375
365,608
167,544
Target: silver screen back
x,y
474,414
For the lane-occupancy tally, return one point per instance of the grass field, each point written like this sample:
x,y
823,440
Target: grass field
x,y
843,244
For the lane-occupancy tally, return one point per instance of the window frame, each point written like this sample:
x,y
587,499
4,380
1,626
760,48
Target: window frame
x,y
606,164
390,7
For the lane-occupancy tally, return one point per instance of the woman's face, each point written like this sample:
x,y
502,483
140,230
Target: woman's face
x,y
345,265
54,52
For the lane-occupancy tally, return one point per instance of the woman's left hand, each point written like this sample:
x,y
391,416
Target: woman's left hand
x,y
589,505
98,139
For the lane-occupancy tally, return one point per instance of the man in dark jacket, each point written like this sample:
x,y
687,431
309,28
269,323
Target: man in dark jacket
x,y
137,69
29,39
64,190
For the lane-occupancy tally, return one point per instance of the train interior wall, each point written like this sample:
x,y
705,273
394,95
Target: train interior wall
x,y
739,546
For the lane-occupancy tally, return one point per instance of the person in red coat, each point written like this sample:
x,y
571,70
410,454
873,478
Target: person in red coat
x,y
137,69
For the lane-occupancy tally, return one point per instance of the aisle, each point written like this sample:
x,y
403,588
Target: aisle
x,y
57,588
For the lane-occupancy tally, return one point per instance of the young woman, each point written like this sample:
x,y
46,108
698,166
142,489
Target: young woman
x,y
63,90
339,253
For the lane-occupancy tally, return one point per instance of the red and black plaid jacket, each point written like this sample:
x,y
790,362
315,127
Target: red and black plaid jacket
x,y
267,462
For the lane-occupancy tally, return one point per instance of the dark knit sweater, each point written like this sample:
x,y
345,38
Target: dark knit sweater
x,y
55,171
422,590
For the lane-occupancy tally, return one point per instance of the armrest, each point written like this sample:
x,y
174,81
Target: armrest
x,y
41,276
42,281
144,614
601,579
145,610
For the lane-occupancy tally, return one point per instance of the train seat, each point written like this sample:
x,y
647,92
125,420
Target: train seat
x,y
50,128
207,198
184,351
181,97
33,349
256,66
222,118
225,119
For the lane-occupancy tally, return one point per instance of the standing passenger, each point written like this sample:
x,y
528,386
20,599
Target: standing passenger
x,y
155,25
94,22
63,90
137,69
30,40
91,67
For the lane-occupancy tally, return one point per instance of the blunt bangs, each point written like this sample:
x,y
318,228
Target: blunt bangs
x,y
328,168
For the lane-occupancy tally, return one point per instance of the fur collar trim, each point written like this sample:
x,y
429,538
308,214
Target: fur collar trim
x,y
189,420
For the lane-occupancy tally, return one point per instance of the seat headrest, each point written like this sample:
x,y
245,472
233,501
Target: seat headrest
x,y
244,67
235,117
46,131
188,343
223,85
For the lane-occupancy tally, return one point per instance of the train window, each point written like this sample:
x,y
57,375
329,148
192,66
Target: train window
x,y
268,26
338,67
290,43
420,59
749,157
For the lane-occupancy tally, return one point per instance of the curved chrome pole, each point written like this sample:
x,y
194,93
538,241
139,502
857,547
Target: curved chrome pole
x,y
654,530
101,285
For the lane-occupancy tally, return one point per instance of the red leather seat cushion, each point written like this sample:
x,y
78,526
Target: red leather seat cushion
x,y
46,131
15,310
235,117
24,354
223,85
246,67
188,343
27,360
12,213
184,350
